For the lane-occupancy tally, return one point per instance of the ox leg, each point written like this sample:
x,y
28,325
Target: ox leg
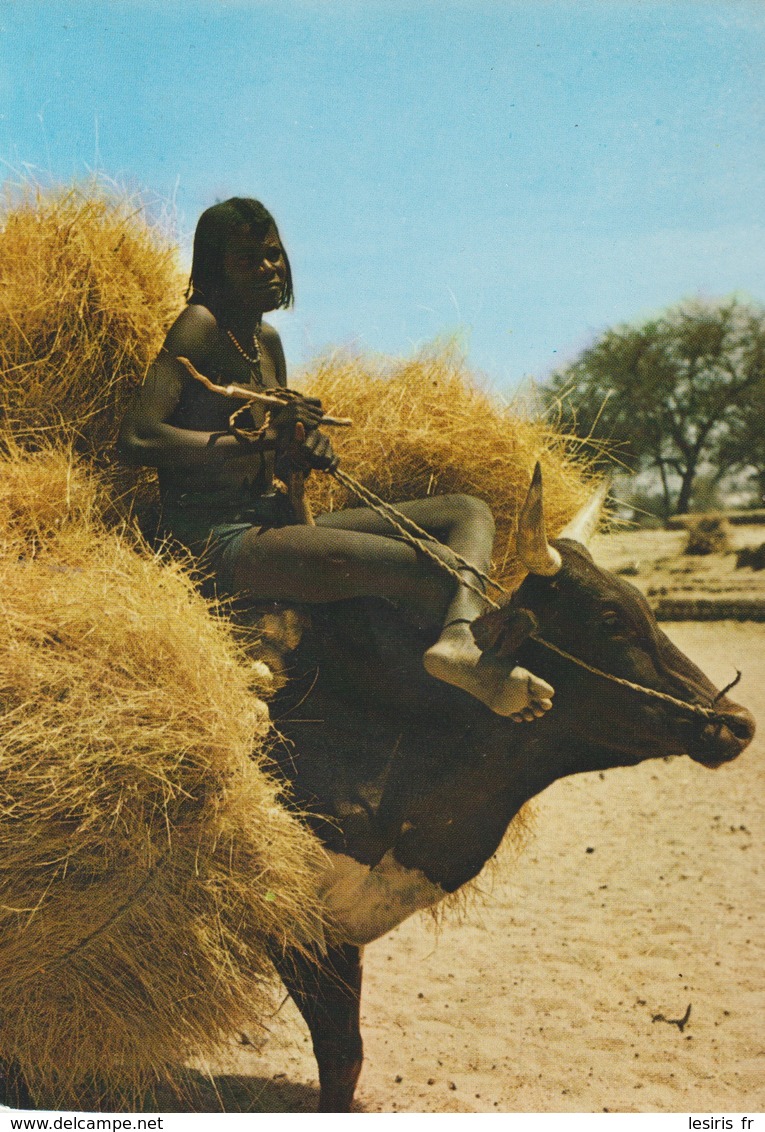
x,y
328,995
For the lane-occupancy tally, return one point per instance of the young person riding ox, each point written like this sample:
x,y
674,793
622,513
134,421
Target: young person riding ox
x,y
217,480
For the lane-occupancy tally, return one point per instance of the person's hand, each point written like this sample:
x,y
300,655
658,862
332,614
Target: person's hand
x,y
304,452
306,411
319,452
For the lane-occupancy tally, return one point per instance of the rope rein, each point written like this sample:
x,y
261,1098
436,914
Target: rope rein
x,y
696,709
419,538
423,541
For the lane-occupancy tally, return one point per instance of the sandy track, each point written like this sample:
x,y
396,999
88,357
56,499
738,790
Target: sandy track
x,y
641,892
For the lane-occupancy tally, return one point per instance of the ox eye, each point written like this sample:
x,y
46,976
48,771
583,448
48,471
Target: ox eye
x,y
618,629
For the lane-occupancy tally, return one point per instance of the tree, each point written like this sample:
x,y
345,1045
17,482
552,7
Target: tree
x,y
673,393
742,449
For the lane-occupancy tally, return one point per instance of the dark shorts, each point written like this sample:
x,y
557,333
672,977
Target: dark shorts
x,y
214,534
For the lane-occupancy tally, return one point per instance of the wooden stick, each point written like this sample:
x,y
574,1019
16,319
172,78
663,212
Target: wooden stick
x,y
250,395
296,486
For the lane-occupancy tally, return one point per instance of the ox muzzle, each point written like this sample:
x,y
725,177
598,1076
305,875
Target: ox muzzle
x,y
721,739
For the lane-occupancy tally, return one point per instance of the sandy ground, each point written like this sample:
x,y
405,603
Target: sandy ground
x,y
653,561
641,893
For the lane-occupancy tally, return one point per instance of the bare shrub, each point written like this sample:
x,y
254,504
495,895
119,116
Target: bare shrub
x,y
708,534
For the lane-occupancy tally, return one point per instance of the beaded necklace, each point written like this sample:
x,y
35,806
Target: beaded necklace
x,y
255,362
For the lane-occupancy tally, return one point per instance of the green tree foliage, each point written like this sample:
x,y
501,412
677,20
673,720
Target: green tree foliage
x,y
677,393
742,449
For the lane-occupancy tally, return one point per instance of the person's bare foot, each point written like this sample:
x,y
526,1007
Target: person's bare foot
x,y
512,692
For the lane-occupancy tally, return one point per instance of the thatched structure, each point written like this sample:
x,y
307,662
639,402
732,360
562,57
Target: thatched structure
x,y
708,534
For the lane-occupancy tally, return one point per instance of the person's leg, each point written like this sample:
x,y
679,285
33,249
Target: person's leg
x,y
319,564
465,525
462,523
350,554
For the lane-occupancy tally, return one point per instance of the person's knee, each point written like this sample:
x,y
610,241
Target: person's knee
x,y
469,509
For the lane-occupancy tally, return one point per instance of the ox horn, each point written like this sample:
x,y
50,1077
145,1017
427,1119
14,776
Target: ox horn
x,y
584,524
534,550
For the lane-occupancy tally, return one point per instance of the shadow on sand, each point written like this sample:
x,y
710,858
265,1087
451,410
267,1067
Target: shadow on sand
x,y
192,1091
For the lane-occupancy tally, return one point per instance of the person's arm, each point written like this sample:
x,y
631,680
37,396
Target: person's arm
x,y
145,436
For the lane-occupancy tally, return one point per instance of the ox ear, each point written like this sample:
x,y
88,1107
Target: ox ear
x,y
584,524
534,551
503,631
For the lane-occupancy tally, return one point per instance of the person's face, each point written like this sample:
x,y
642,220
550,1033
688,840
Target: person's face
x,y
254,268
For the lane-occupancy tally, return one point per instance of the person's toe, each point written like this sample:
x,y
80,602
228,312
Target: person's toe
x,y
541,706
539,689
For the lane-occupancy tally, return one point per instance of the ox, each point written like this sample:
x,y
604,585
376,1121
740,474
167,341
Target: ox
x,y
411,783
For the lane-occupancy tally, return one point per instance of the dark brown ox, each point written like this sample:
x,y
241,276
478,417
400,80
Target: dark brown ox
x,y
412,783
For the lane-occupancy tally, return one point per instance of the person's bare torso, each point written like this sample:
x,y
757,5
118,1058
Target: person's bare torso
x,y
199,409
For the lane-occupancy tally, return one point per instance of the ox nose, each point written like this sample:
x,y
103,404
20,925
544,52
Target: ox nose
x,y
742,725
724,740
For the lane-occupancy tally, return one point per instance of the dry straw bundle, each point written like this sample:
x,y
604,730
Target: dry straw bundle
x,y
88,288
147,861
423,426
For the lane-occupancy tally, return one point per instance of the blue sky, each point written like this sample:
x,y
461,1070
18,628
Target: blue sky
x,y
522,172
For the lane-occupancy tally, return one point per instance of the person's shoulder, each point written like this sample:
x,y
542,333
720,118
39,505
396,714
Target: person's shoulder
x,y
269,333
272,344
194,334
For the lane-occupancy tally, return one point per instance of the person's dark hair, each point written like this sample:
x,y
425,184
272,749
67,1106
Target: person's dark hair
x,y
215,226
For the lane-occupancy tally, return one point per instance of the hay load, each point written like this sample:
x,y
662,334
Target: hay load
x,y
88,287
147,859
424,426
148,862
